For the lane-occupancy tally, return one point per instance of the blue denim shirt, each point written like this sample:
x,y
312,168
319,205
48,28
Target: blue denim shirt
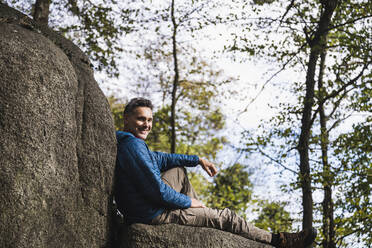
x,y
140,193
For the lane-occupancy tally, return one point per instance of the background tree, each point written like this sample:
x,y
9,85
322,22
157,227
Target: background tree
x,y
97,27
273,217
231,188
334,29
41,11
117,111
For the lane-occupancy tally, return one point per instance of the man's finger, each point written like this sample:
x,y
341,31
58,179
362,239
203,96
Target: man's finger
x,y
208,171
213,170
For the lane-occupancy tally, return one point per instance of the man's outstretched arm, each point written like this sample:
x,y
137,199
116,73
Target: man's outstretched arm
x,y
171,160
168,161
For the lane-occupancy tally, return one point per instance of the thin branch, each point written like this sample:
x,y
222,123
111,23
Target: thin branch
x,y
352,81
238,157
337,92
262,19
337,103
289,7
315,161
267,82
346,235
275,160
184,18
350,22
335,124
306,28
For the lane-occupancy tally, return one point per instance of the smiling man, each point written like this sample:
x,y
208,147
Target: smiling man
x,y
153,188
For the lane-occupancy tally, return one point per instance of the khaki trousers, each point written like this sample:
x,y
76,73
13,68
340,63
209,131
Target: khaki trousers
x,y
225,220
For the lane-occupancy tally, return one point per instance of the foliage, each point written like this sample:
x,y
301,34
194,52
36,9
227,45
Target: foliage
x,y
97,27
273,217
199,120
195,133
200,184
117,110
231,188
354,151
344,82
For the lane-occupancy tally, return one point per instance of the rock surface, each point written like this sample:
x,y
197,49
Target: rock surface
x,y
177,236
57,141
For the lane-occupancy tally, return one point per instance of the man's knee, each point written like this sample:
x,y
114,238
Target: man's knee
x,y
176,172
174,177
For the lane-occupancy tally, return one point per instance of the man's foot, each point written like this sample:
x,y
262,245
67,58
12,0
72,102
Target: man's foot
x,y
297,240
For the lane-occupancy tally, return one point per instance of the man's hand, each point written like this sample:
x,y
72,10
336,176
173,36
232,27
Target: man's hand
x,y
196,203
208,167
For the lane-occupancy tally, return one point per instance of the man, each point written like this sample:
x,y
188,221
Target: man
x,y
153,188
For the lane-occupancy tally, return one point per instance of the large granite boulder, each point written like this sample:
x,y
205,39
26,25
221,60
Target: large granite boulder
x,y
177,236
57,141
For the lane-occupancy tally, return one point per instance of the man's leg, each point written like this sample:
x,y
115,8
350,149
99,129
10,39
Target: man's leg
x,y
226,219
178,180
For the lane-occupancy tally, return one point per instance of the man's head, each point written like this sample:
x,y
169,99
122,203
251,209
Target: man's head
x,y
138,117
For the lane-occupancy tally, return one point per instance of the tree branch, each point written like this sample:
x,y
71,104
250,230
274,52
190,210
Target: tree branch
x,y
275,160
335,124
268,81
346,235
337,92
350,22
289,7
185,16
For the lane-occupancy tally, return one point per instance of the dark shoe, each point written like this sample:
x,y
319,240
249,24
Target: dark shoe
x,y
297,240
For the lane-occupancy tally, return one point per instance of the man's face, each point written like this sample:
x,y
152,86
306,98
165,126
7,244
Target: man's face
x,y
139,122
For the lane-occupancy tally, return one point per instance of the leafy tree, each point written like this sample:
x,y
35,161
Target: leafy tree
x,y
200,87
117,111
273,217
196,133
311,32
354,151
166,30
96,26
231,188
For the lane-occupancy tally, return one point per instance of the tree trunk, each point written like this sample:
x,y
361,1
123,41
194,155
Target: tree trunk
x,y
317,45
328,221
41,11
175,82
